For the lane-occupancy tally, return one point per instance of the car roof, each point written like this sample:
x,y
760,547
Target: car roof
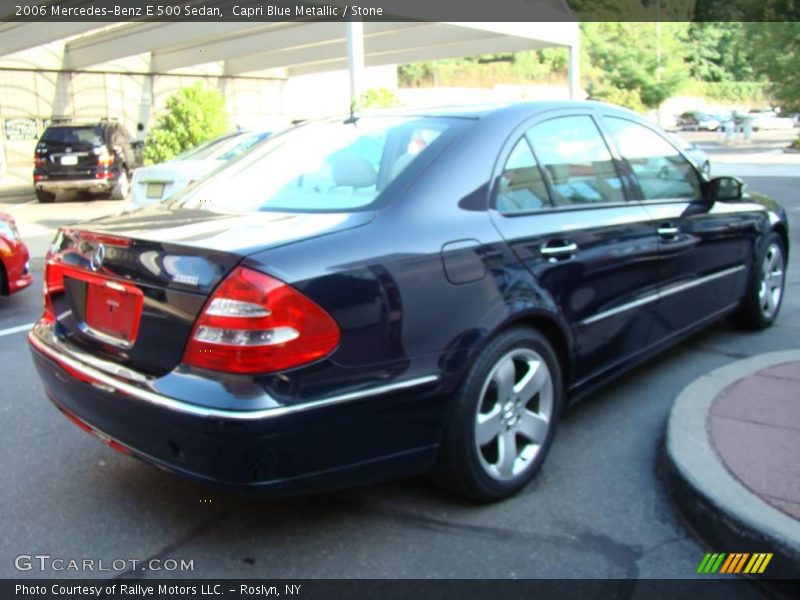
x,y
479,111
75,124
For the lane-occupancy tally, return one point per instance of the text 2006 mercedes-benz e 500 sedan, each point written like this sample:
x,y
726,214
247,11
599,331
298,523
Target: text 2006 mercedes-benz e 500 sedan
x,y
396,293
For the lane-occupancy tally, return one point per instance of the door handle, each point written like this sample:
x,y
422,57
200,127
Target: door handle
x,y
554,252
668,231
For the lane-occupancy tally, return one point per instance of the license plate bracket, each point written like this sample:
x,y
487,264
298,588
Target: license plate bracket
x,y
154,191
113,310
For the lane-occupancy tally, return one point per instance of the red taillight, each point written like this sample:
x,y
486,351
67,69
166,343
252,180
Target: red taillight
x,y
53,282
38,161
256,324
104,159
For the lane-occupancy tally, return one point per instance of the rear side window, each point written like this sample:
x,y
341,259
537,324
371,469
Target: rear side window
x,y
521,187
661,170
576,161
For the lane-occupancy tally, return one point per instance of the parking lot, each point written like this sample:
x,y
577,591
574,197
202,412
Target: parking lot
x,y
597,509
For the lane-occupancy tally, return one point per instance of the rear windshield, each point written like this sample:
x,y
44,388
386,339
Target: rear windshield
x,y
242,144
327,166
77,136
205,150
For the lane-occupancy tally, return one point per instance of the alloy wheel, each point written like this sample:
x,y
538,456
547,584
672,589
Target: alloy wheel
x,y
771,287
514,414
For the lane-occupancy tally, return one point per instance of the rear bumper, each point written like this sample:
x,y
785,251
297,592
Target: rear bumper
x,y
90,185
337,442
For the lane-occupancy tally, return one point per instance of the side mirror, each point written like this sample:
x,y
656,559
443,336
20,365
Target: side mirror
x,y
724,189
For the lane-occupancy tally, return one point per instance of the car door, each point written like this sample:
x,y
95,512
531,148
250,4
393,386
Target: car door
x,y
560,203
701,244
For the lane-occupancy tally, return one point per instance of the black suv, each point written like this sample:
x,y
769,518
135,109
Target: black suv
x,y
93,157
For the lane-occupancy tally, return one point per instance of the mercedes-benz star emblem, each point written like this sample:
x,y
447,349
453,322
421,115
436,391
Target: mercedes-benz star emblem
x,y
98,256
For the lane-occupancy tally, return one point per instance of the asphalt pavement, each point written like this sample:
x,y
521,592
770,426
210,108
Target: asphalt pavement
x,y
597,509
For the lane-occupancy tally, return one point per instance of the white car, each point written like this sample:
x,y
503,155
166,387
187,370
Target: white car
x,y
156,183
769,120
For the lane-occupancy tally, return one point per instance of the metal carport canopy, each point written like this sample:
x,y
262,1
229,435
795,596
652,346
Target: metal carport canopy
x,y
296,47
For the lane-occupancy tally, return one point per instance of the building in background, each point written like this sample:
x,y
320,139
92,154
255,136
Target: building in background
x,y
270,73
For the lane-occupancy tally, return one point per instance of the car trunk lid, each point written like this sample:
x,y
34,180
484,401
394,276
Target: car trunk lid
x,y
129,288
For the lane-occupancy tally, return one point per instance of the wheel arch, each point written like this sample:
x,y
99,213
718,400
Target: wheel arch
x,y
552,329
780,229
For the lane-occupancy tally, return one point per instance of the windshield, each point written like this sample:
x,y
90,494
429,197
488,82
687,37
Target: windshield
x,y
328,166
77,136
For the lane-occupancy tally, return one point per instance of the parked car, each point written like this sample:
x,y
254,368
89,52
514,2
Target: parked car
x,y
769,119
693,152
666,121
159,182
93,157
698,121
314,315
15,269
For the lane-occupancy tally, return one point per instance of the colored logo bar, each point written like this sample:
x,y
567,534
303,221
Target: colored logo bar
x,y
735,562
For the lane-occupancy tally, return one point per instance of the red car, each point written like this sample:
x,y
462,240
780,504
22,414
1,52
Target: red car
x,y
15,271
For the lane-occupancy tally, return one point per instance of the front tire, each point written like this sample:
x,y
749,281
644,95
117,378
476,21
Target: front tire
x,y
503,418
764,295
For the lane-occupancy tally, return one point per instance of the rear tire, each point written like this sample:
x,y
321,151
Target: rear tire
x,y
762,301
503,419
45,197
122,187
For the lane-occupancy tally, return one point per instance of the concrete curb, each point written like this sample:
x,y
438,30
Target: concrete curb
x,y
724,513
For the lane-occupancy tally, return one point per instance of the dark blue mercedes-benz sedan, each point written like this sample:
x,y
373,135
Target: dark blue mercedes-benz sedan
x,y
398,293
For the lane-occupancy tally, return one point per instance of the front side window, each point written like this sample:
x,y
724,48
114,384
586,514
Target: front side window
x,y
521,187
329,166
661,170
576,160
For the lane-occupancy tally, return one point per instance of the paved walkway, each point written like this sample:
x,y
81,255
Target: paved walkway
x,y
755,428
733,459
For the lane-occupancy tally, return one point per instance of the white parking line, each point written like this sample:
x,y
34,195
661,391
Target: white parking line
x,y
12,208
18,329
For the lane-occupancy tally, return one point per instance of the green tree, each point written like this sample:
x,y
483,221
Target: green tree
x,y
632,63
194,114
380,97
720,52
776,55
